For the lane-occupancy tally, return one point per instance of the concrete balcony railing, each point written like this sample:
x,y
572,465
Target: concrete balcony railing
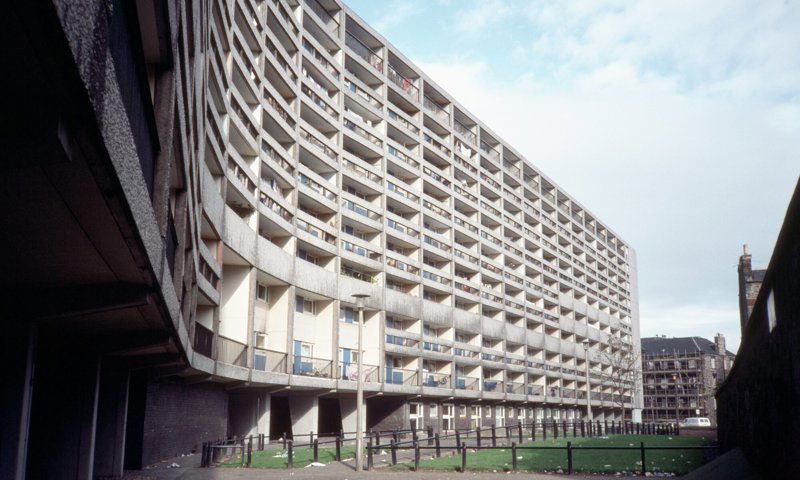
x,y
312,367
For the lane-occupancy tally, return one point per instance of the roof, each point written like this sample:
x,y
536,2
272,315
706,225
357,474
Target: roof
x,y
655,345
758,275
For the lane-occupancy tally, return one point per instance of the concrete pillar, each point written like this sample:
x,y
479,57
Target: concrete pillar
x,y
249,413
304,412
63,414
17,346
112,413
348,409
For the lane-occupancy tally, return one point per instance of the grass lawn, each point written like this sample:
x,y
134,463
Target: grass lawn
x,y
302,457
600,461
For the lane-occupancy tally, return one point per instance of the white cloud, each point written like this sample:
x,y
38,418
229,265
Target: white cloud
x,y
479,15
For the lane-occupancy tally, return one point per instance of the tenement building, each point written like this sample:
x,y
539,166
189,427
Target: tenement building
x,y
195,194
681,376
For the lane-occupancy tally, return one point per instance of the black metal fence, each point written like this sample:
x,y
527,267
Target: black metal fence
x,y
459,441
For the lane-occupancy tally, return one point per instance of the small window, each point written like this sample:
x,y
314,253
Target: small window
x,y
304,255
462,411
433,410
347,314
262,292
304,306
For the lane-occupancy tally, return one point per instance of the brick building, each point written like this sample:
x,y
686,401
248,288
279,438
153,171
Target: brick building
x,y
680,377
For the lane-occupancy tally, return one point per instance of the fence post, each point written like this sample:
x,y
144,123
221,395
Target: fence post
x,y
416,456
244,453
544,429
463,457
203,455
316,449
574,429
519,431
394,436
644,468
555,429
564,428
458,441
438,446
377,438
393,449
583,430
369,453
533,430
677,428
514,457
569,458
478,433
599,431
494,436
430,435
338,448
284,440
605,422
249,451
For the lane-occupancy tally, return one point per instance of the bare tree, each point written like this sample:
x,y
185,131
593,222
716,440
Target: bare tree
x,y
626,368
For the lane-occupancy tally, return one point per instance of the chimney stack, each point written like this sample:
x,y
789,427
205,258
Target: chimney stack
x,y
719,340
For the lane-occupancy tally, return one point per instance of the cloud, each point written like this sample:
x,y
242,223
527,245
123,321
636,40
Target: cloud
x,y
480,14
396,14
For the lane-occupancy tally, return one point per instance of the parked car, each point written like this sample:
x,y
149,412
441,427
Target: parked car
x,y
695,422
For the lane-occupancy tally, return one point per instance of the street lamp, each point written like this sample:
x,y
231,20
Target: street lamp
x,y
588,385
360,299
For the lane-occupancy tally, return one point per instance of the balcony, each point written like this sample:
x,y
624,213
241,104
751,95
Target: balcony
x,y
467,383
269,361
367,54
362,132
324,15
349,371
231,352
466,132
328,151
400,376
312,367
436,109
405,84
439,380
363,211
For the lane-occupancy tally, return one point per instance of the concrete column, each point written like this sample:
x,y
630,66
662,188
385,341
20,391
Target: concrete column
x,y
304,412
112,416
63,414
348,409
17,347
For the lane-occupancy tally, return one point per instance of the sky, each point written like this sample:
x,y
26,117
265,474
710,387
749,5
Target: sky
x,y
676,123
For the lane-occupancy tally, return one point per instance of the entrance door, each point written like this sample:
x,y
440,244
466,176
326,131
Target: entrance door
x,y
447,416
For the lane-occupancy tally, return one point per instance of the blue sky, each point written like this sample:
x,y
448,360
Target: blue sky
x,y
676,122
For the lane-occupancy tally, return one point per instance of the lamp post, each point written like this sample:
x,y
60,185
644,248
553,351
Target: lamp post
x,y
677,398
588,385
360,299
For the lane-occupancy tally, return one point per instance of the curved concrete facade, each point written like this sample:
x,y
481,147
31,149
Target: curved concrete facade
x,y
225,177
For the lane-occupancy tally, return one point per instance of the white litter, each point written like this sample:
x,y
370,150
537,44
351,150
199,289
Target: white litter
x,y
315,464
173,465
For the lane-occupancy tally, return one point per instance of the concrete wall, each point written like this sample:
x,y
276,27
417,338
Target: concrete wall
x,y
757,405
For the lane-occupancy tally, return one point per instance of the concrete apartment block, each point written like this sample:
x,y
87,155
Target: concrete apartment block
x,y
197,190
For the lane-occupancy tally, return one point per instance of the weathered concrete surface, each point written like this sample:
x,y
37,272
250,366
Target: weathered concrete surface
x,y
731,466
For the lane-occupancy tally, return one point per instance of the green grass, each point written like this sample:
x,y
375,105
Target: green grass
x,y
302,457
599,461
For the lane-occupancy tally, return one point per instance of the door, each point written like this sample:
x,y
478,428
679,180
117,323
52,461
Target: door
x,y
345,361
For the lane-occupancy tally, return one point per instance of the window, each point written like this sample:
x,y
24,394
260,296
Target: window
x,y
433,411
262,292
462,410
302,305
304,255
347,314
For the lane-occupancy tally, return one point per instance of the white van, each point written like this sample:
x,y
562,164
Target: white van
x,y
695,422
